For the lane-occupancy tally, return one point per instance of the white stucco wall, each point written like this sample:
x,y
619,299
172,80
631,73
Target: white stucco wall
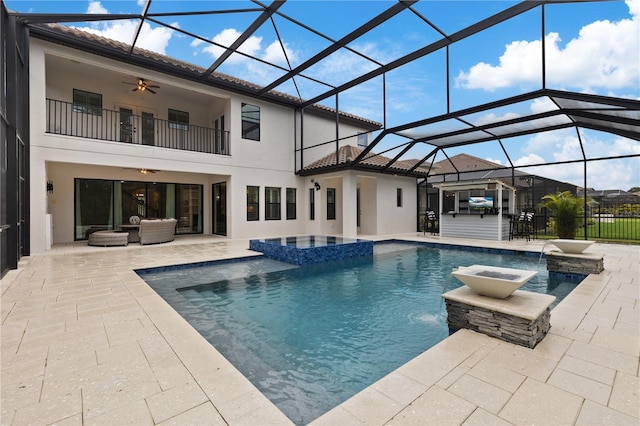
x,y
56,70
392,219
368,205
274,150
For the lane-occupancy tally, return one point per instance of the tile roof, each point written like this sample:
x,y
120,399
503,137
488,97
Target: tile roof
x,y
348,153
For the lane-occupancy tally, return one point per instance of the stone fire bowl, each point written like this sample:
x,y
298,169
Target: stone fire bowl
x,y
493,281
571,246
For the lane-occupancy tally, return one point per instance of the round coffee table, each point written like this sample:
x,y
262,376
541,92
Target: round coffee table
x,y
133,237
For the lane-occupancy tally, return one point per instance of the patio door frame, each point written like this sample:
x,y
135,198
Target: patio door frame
x,y
219,224
138,124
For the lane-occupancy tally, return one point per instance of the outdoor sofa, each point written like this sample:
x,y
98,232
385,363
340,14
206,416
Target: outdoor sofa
x,y
153,231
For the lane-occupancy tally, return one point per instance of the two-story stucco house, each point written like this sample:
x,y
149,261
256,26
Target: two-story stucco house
x,y
114,135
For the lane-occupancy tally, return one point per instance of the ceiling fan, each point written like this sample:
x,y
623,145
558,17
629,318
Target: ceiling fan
x,y
143,171
142,86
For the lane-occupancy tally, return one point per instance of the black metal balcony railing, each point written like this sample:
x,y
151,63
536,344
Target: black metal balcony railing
x,y
66,118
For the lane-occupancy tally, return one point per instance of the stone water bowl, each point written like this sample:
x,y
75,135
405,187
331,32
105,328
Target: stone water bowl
x,y
571,246
493,281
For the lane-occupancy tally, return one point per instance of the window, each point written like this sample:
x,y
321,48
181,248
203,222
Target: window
x,y
331,203
250,122
253,203
312,204
178,120
363,140
291,203
87,102
399,197
271,203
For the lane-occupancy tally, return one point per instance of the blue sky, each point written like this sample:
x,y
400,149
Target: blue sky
x,y
591,47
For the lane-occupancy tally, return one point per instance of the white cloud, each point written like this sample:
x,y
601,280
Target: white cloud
x,y
96,8
252,47
519,64
493,118
226,38
196,42
604,56
244,67
610,174
537,106
342,66
540,105
154,39
564,145
275,55
530,158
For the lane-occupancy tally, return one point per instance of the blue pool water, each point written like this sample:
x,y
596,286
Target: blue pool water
x,y
310,337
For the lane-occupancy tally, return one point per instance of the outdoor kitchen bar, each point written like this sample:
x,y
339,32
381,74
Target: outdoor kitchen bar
x,y
476,209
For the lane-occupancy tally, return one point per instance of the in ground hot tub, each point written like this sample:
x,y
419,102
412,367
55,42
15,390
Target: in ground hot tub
x,y
493,281
311,249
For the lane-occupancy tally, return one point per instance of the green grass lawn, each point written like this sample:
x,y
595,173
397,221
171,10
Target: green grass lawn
x,y
621,230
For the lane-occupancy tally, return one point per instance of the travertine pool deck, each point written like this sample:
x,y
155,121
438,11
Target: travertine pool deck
x,y
86,341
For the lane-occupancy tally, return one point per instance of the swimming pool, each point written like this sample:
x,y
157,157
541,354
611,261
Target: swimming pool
x,y
311,337
310,249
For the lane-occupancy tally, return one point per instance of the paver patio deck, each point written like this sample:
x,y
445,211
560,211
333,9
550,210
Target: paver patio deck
x,y
86,341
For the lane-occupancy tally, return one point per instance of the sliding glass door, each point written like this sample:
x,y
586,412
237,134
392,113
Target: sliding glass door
x,y
93,206
107,204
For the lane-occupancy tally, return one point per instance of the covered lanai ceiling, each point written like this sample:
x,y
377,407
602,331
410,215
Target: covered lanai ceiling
x,y
300,80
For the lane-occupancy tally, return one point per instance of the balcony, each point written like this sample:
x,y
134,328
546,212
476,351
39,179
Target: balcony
x,y
65,118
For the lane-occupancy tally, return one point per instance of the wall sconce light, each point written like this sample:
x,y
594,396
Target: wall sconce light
x,y
50,186
317,186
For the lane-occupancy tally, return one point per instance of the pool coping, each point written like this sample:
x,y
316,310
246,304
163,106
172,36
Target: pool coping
x,y
565,276
576,329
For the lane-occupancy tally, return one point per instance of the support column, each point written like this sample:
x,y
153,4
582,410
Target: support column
x,y
500,211
349,205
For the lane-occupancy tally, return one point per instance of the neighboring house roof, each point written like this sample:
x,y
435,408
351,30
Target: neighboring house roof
x,y
612,194
103,46
372,162
469,167
474,168
465,163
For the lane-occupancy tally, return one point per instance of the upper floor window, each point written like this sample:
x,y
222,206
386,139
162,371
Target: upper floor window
x,y
331,203
291,203
250,122
399,197
271,203
178,119
87,102
253,203
363,140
